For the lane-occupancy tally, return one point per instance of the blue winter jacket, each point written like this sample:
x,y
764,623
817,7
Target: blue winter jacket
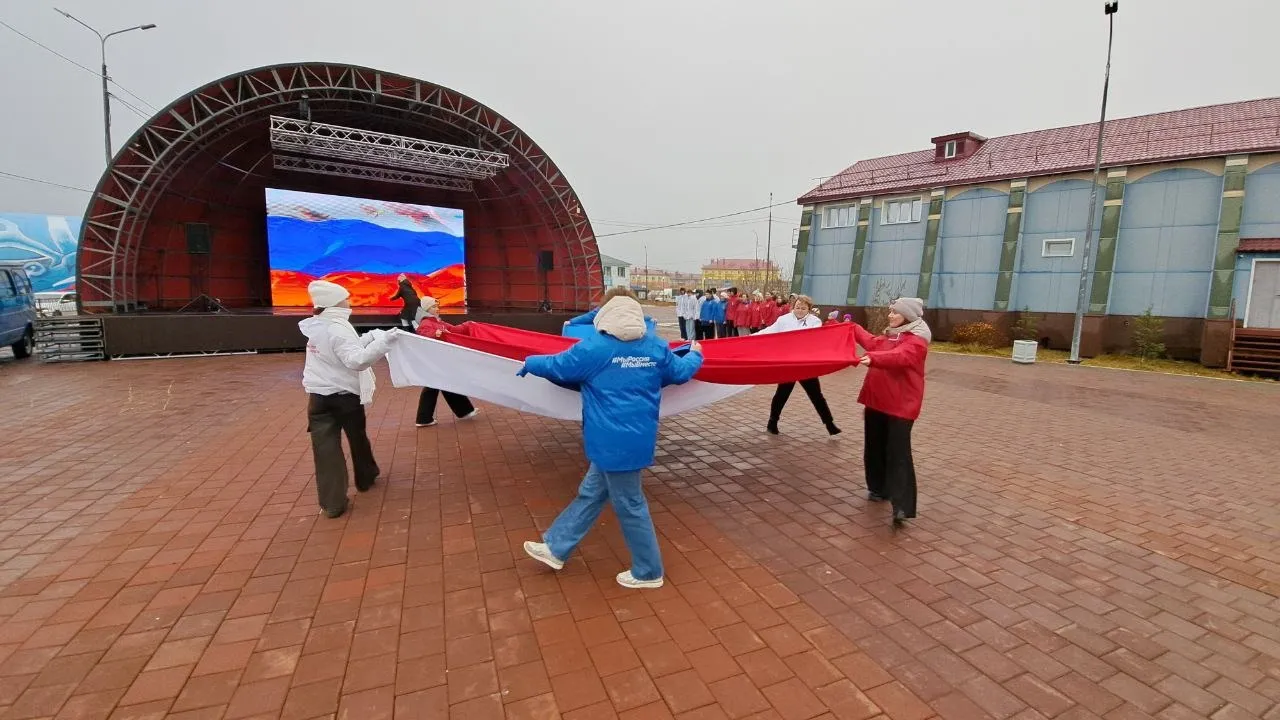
x,y
707,313
589,317
621,384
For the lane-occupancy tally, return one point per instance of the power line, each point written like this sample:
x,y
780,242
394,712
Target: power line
x,y
85,68
691,222
15,176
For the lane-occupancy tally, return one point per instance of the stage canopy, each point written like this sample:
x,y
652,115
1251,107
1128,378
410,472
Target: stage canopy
x,y
208,158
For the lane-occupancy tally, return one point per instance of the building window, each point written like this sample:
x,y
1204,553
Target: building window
x,y
949,150
608,272
907,210
1059,248
838,216
622,272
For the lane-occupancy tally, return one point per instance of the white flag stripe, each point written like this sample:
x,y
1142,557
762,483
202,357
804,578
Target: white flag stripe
x,y
424,362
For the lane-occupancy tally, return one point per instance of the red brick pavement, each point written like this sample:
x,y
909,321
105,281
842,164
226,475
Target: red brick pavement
x,y
1091,544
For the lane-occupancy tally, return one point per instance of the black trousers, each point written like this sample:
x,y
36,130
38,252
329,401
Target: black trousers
x,y
684,333
697,330
459,404
886,454
812,388
328,417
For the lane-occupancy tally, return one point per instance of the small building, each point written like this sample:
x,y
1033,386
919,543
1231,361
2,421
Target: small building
x,y
616,273
653,280
689,281
745,274
985,229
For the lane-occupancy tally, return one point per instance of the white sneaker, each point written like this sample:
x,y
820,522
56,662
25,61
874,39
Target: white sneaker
x,y
433,422
542,553
627,580
470,415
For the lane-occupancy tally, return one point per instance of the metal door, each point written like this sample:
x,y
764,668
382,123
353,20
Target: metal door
x,y
1263,307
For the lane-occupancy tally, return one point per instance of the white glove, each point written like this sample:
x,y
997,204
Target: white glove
x,y
376,335
393,335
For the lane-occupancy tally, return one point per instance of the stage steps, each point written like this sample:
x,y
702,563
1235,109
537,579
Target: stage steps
x,y
1254,350
70,339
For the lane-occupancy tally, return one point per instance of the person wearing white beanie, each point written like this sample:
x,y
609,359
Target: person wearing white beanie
x,y
338,378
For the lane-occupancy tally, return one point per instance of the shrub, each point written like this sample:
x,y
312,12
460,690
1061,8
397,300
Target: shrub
x,y
978,334
1148,336
1026,326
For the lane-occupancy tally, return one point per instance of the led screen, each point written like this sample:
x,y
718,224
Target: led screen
x,y
363,245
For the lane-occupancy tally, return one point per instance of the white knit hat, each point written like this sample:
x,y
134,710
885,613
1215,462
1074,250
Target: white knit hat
x,y
325,294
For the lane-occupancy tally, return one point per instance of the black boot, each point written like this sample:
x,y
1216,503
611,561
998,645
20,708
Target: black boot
x,y
772,427
832,429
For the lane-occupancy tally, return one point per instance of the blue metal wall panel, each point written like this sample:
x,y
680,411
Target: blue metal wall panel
x,y
1165,251
892,257
969,250
1057,210
826,272
1261,218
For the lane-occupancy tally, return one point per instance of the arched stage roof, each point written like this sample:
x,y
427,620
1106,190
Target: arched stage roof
x,y
207,158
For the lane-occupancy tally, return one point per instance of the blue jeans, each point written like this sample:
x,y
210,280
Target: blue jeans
x,y
623,489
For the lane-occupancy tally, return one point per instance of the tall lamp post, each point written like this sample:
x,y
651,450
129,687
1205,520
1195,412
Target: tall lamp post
x,y
106,94
1082,300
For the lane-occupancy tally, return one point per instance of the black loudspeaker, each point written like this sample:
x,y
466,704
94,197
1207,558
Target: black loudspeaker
x,y
198,239
546,260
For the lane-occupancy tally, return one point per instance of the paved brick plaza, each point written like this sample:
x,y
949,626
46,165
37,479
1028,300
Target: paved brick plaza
x,y
1091,544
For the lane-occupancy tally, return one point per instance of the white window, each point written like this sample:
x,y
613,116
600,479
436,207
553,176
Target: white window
x,y
622,272
838,216
906,210
608,272
1059,247
949,150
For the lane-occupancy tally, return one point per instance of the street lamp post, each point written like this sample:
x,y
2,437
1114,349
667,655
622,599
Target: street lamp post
x,y
1082,300
106,93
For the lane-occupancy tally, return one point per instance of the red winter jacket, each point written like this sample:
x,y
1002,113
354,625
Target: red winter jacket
x,y
895,379
731,309
754,319
744,314
430,325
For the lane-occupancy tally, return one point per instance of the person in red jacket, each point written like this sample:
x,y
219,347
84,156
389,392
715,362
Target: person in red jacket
x,y
892,394
433,327
755,319
731,309
833,318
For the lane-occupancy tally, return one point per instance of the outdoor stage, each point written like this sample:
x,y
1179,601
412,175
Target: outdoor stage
x,y
265,330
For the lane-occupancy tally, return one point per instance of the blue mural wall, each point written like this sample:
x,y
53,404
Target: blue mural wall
x,y
45,245
1261,219
1168,237
968,258
826,272
1059,210
892,257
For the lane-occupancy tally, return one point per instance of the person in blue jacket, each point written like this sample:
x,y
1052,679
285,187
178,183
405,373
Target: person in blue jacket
x,y
707,314
589,317
722,311
620,372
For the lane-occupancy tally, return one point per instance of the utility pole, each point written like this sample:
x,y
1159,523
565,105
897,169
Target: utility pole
x,y
646,271
768,248
1082,299
106,93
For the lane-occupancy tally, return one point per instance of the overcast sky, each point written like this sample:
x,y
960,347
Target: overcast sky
x,y
657,111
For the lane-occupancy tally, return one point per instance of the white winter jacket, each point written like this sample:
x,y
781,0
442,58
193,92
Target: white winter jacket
x,y
339,360
790,322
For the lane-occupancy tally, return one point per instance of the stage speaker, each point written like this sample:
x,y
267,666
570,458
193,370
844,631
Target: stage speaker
x,y
198,238
546,260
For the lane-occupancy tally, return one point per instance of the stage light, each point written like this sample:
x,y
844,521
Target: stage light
x,y
365,172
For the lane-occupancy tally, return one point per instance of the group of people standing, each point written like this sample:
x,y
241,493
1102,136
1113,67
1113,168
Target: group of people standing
x,y
620,371
711,313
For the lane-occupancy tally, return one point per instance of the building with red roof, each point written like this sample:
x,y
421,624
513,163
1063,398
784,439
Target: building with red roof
x,y
1187,221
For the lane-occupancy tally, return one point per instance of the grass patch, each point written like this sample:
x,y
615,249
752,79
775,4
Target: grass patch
x,y
1122,362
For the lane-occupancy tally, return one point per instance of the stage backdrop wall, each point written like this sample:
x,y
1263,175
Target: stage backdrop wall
x,y
45,245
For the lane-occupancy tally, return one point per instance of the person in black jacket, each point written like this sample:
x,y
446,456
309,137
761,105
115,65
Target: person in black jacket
x,y
406,292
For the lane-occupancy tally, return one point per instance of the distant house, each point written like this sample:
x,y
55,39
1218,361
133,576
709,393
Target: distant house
x,y
1187,225
616,272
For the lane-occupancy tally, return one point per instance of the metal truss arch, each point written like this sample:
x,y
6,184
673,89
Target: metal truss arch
x,y
176,151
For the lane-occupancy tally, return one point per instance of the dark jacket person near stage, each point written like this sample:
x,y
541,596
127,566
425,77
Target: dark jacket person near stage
x,y
620,371
406,292
339,382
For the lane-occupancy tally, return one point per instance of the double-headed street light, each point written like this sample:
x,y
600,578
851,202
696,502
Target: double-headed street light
x,y
106,94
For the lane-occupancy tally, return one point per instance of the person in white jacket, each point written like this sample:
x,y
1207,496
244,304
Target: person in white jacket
x,y
338,378
801,317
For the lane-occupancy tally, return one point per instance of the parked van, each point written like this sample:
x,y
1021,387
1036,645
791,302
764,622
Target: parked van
x,y
17,311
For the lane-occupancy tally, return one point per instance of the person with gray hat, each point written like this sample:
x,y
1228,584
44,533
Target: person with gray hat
x,y
892,395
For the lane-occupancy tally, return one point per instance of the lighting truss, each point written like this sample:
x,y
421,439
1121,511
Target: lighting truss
x,y
384,149
366,172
